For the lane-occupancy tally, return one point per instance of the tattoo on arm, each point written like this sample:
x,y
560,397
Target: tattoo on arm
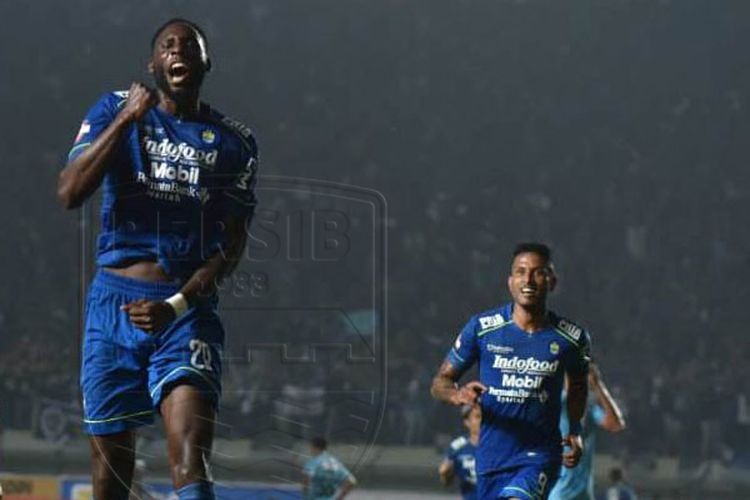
x,y
444,384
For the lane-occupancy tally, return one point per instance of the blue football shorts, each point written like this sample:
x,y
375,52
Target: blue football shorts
x,y
527,482
126,372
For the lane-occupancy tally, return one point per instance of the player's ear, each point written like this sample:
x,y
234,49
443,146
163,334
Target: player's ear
x,y
150,66
552,280
207,65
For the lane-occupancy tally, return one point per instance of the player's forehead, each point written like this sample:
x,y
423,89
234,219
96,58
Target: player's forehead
x,y
176,30
532,260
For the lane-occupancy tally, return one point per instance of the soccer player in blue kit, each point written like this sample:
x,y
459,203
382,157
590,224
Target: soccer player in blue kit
x,y
178,194
524,353
460,459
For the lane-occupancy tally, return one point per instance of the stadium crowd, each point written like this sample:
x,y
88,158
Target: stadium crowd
x,y
636,183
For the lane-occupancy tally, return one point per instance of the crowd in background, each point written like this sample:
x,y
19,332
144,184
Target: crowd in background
x,y
617,133
676,380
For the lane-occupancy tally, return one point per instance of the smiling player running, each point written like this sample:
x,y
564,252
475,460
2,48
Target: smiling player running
x,y
524,353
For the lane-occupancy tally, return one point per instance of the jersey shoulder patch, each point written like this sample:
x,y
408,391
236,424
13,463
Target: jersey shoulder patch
x,y
458,443
490,321
569,330
238,129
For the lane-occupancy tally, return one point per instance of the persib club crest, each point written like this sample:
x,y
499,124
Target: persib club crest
x,y
208,136
554,348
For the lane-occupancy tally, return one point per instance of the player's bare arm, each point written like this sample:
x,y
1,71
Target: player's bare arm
x,y
82,176
445,387
346,487
577,396
153,316
446,472
613,418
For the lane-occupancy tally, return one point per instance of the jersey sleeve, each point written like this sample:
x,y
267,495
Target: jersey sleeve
x,y
450,453
309,468
239,190
96,120
453,449
465,350
579,355
343,474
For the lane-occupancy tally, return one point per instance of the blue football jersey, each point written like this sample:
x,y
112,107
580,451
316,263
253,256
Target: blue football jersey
x,y
524,376
326,474
170,185
462,454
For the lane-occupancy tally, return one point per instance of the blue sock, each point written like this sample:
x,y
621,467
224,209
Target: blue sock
x,y
202,490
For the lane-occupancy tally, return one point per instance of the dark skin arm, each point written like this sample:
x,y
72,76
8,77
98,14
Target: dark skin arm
x,y
152,316
82,176
577,396
445,388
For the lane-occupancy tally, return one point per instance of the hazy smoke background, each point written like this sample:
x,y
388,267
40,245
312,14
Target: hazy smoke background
x,y
616,131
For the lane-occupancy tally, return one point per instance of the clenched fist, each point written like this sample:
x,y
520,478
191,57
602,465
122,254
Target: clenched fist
x,y
469,393
151,316
140,99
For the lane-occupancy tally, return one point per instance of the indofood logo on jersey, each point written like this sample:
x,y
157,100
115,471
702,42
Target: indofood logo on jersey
x,y
527,365
167,150
522,378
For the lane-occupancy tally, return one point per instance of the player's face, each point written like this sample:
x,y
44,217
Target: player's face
x,y
530,280
177,61
474,419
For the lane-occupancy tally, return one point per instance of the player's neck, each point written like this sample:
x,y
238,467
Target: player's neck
x,y
180,107
474,437
530,320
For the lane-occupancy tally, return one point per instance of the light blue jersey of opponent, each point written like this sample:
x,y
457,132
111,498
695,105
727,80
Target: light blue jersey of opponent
x,y
326,474
578,483
170,184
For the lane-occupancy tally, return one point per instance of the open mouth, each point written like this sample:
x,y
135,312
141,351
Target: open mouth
x,y
178,72
528,291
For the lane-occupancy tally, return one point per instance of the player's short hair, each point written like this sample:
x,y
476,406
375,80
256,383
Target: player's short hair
x,y
540,249
178,20
202,40
319,443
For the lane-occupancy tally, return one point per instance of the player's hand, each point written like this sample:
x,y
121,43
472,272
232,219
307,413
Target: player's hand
x,y
140,99
468,394
572,456
151,316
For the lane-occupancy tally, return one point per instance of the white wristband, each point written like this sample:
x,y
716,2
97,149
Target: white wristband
x,y
179,303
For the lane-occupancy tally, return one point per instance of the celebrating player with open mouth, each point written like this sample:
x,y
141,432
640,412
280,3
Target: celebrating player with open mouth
x,y
178,193
524,353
